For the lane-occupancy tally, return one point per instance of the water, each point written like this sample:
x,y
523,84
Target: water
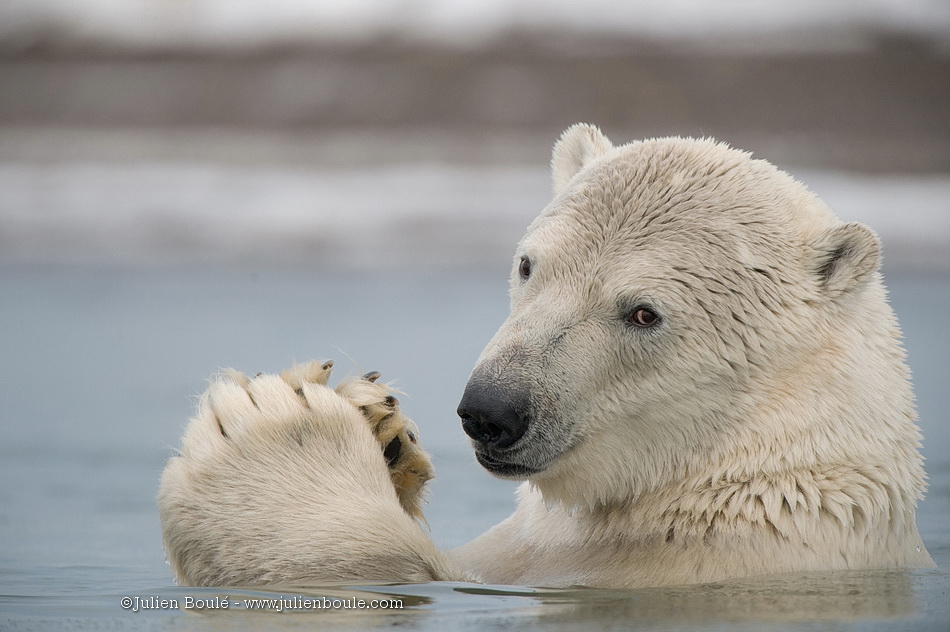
x,y
100,370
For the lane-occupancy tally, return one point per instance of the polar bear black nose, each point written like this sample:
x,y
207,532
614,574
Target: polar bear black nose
x,y
494,417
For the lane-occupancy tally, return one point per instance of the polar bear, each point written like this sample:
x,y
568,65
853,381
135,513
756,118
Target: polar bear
x,y
700,379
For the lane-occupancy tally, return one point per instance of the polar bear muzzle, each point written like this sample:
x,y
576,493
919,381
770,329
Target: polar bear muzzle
x,y
496,417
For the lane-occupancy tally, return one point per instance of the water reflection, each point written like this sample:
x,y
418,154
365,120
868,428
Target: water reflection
x,y
834,597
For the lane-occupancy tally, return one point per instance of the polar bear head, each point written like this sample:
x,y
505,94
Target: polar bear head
x,y
678,310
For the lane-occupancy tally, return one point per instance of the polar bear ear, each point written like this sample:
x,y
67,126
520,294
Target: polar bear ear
x,y
578,145
846,257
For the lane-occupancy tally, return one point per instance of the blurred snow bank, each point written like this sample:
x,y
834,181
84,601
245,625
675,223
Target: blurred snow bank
x,y
229,24
363,218
367,219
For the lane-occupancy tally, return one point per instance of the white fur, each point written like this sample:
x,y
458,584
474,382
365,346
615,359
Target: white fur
x,y
765,425
578,146
266,488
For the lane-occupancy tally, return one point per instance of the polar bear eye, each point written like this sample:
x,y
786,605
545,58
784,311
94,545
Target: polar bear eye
x,y
524,268
643,317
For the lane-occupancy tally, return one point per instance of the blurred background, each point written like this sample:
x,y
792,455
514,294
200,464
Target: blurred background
x,y
334,133
192,184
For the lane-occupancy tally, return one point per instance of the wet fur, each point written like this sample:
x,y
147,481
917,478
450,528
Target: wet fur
x,y
764,425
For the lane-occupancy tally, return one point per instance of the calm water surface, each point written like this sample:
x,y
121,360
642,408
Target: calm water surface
x,y
100,369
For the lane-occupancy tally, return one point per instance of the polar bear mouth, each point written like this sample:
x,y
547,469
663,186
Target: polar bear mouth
x,y
504,469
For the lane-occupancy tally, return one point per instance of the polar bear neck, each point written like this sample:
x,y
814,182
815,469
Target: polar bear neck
x,y
852,500
794,505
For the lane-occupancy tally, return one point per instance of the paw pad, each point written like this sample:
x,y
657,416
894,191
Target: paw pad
x,y
409,466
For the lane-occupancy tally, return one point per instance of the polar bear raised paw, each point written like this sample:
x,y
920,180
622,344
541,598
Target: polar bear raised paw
x,y
285,451
409,466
